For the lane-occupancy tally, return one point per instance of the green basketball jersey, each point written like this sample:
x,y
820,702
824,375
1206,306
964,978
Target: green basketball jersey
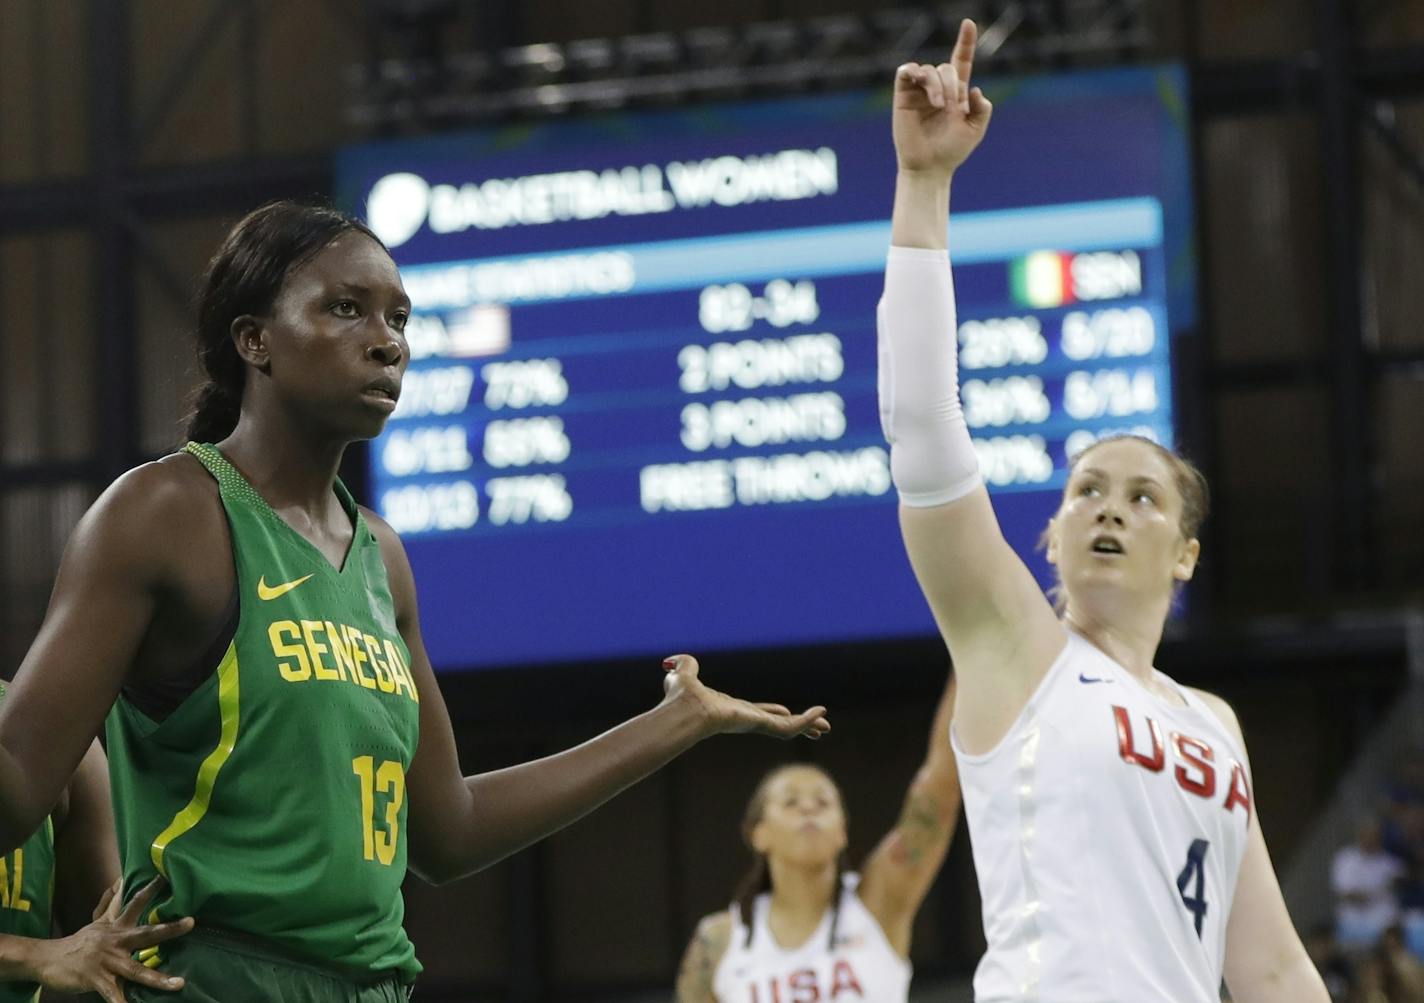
x,y
26,899
273,797
27,896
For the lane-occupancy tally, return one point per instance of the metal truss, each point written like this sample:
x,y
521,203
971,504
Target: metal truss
x,y
1383,124
1352,95
418,90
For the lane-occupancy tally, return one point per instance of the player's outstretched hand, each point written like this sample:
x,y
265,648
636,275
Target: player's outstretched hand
x,y
725,713
938,118
98,958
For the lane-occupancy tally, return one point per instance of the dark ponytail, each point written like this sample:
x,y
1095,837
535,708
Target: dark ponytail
x,y
757,879
218,402
836,901
244,277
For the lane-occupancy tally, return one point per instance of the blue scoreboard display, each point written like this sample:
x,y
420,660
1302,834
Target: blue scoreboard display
x,y
640,415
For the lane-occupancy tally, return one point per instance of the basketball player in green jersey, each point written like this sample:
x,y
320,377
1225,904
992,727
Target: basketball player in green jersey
x,y
53,879
279,748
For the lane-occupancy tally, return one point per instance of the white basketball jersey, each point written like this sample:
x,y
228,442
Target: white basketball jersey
x,y
1108,828
862,966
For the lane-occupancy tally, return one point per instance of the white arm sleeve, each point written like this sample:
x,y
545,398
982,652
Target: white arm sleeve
x,y
932,459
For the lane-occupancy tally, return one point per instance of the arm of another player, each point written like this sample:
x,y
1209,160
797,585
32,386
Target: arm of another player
x,y
699,963
898,874
1000,630
1265,959
98,956
114,569
459,825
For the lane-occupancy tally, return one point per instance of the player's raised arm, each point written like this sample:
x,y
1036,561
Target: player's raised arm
x,y
999,627
938,121
696,974
898,874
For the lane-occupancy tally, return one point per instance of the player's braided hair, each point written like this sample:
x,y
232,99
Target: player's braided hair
x,y
757,880
244,277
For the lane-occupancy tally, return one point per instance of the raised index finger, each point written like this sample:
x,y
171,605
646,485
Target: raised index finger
x,y
963,57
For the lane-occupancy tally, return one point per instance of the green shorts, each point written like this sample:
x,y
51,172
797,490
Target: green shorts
x,y
220,966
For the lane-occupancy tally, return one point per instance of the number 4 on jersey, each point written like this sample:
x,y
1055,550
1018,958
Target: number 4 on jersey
x,y
1196,868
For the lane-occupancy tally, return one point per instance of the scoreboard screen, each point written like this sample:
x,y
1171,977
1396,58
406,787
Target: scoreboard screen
x,y
640,415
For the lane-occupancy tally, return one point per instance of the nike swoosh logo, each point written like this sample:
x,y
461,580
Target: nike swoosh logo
x,y
1086,679
265,591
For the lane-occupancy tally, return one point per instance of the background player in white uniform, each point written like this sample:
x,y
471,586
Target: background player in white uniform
x,y
802,928
1119,854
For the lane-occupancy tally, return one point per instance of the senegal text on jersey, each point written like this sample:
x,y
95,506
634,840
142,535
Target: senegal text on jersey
x,y
299,648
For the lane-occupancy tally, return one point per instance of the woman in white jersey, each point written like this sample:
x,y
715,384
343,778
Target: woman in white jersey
x,y
1119,855
803,929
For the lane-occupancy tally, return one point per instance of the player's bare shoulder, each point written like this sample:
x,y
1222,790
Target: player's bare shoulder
x,y
167,480
163,509
716,933
704,953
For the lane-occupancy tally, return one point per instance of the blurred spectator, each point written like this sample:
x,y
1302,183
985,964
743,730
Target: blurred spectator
x,y
1411,907
1403,832
1406,783
1403,836
1363,876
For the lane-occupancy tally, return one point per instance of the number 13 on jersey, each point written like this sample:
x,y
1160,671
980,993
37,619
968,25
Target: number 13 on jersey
x,y
379,843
